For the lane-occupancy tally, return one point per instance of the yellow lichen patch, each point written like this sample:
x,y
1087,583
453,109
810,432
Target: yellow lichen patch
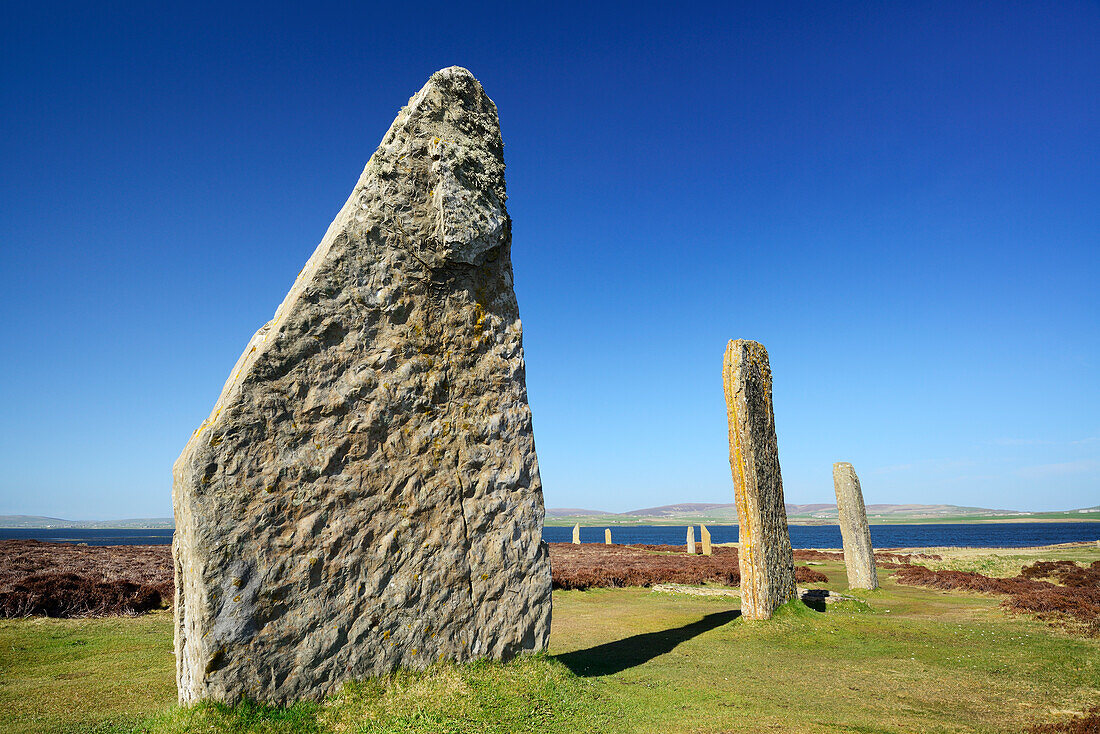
x,y
479,313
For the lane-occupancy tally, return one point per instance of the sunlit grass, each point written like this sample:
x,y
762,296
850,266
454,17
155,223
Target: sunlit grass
x,y
621,660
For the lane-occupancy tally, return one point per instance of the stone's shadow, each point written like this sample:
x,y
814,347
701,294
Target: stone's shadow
x,y
615,657
815,599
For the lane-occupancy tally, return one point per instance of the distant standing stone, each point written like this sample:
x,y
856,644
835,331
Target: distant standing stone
x,y
765,556
365,494
704,535
607,536
859,556
691,540
577,534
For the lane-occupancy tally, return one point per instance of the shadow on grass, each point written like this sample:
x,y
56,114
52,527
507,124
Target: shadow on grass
x,y
614,657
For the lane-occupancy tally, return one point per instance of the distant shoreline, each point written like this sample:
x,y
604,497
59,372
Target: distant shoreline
x,y
570,522
611,520
586,522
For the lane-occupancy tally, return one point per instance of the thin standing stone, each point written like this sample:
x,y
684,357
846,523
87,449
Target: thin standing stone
x,y
859,556
691,540
607,536
704,535
577,534
765,556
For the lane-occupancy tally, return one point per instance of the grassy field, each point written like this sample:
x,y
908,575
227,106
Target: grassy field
x,y
902,659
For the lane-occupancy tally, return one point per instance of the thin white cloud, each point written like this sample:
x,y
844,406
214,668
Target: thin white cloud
x,y
1066,468
1041,441
926,466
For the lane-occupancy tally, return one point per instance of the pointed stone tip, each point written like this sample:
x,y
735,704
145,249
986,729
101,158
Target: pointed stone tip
x,y
452,77
453,86
453,71
841,463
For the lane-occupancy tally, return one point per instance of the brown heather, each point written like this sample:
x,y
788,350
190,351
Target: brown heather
x,y
1089,723
65,580
591,565
1073,603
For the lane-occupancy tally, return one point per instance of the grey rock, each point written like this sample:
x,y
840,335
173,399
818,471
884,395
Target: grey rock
x,y
859,556
691,540
365,494
765,556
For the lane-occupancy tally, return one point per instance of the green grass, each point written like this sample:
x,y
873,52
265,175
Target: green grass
x,y
900,659
71,675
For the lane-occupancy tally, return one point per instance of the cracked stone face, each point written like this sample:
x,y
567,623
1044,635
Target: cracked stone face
x,y
365,493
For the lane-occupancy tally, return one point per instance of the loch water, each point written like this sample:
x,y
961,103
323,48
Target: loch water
x,y
976,535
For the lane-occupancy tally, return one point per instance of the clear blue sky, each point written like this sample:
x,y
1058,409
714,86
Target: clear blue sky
x,y
900,200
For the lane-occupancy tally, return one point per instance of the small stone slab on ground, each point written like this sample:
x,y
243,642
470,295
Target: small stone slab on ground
x,y
804,594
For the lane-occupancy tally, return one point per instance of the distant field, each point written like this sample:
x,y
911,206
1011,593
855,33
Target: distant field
x,y
725,519
685,514
901,659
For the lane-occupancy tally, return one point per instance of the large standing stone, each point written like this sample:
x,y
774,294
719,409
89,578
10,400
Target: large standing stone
x,y
691,540
704,536
859,556
607,536
577,534
365,494
765,556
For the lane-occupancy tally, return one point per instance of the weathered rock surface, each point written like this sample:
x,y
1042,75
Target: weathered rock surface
x,y
577,534
704,536
765,556
691,540
859,556
806,595
607,536
365,494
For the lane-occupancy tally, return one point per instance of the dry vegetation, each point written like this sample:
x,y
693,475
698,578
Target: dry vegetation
x,y
885,559
1088,723
65,580
592,565
1074,601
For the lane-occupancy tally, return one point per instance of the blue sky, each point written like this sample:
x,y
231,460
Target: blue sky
x,y
901,201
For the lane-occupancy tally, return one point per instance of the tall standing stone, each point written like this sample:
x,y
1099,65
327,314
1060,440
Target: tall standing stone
x,y
365,494
691,540
607,536
577,534
704,536
859,556
765,556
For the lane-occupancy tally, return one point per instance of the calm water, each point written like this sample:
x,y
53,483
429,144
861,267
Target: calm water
x,y
882,536
802,536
